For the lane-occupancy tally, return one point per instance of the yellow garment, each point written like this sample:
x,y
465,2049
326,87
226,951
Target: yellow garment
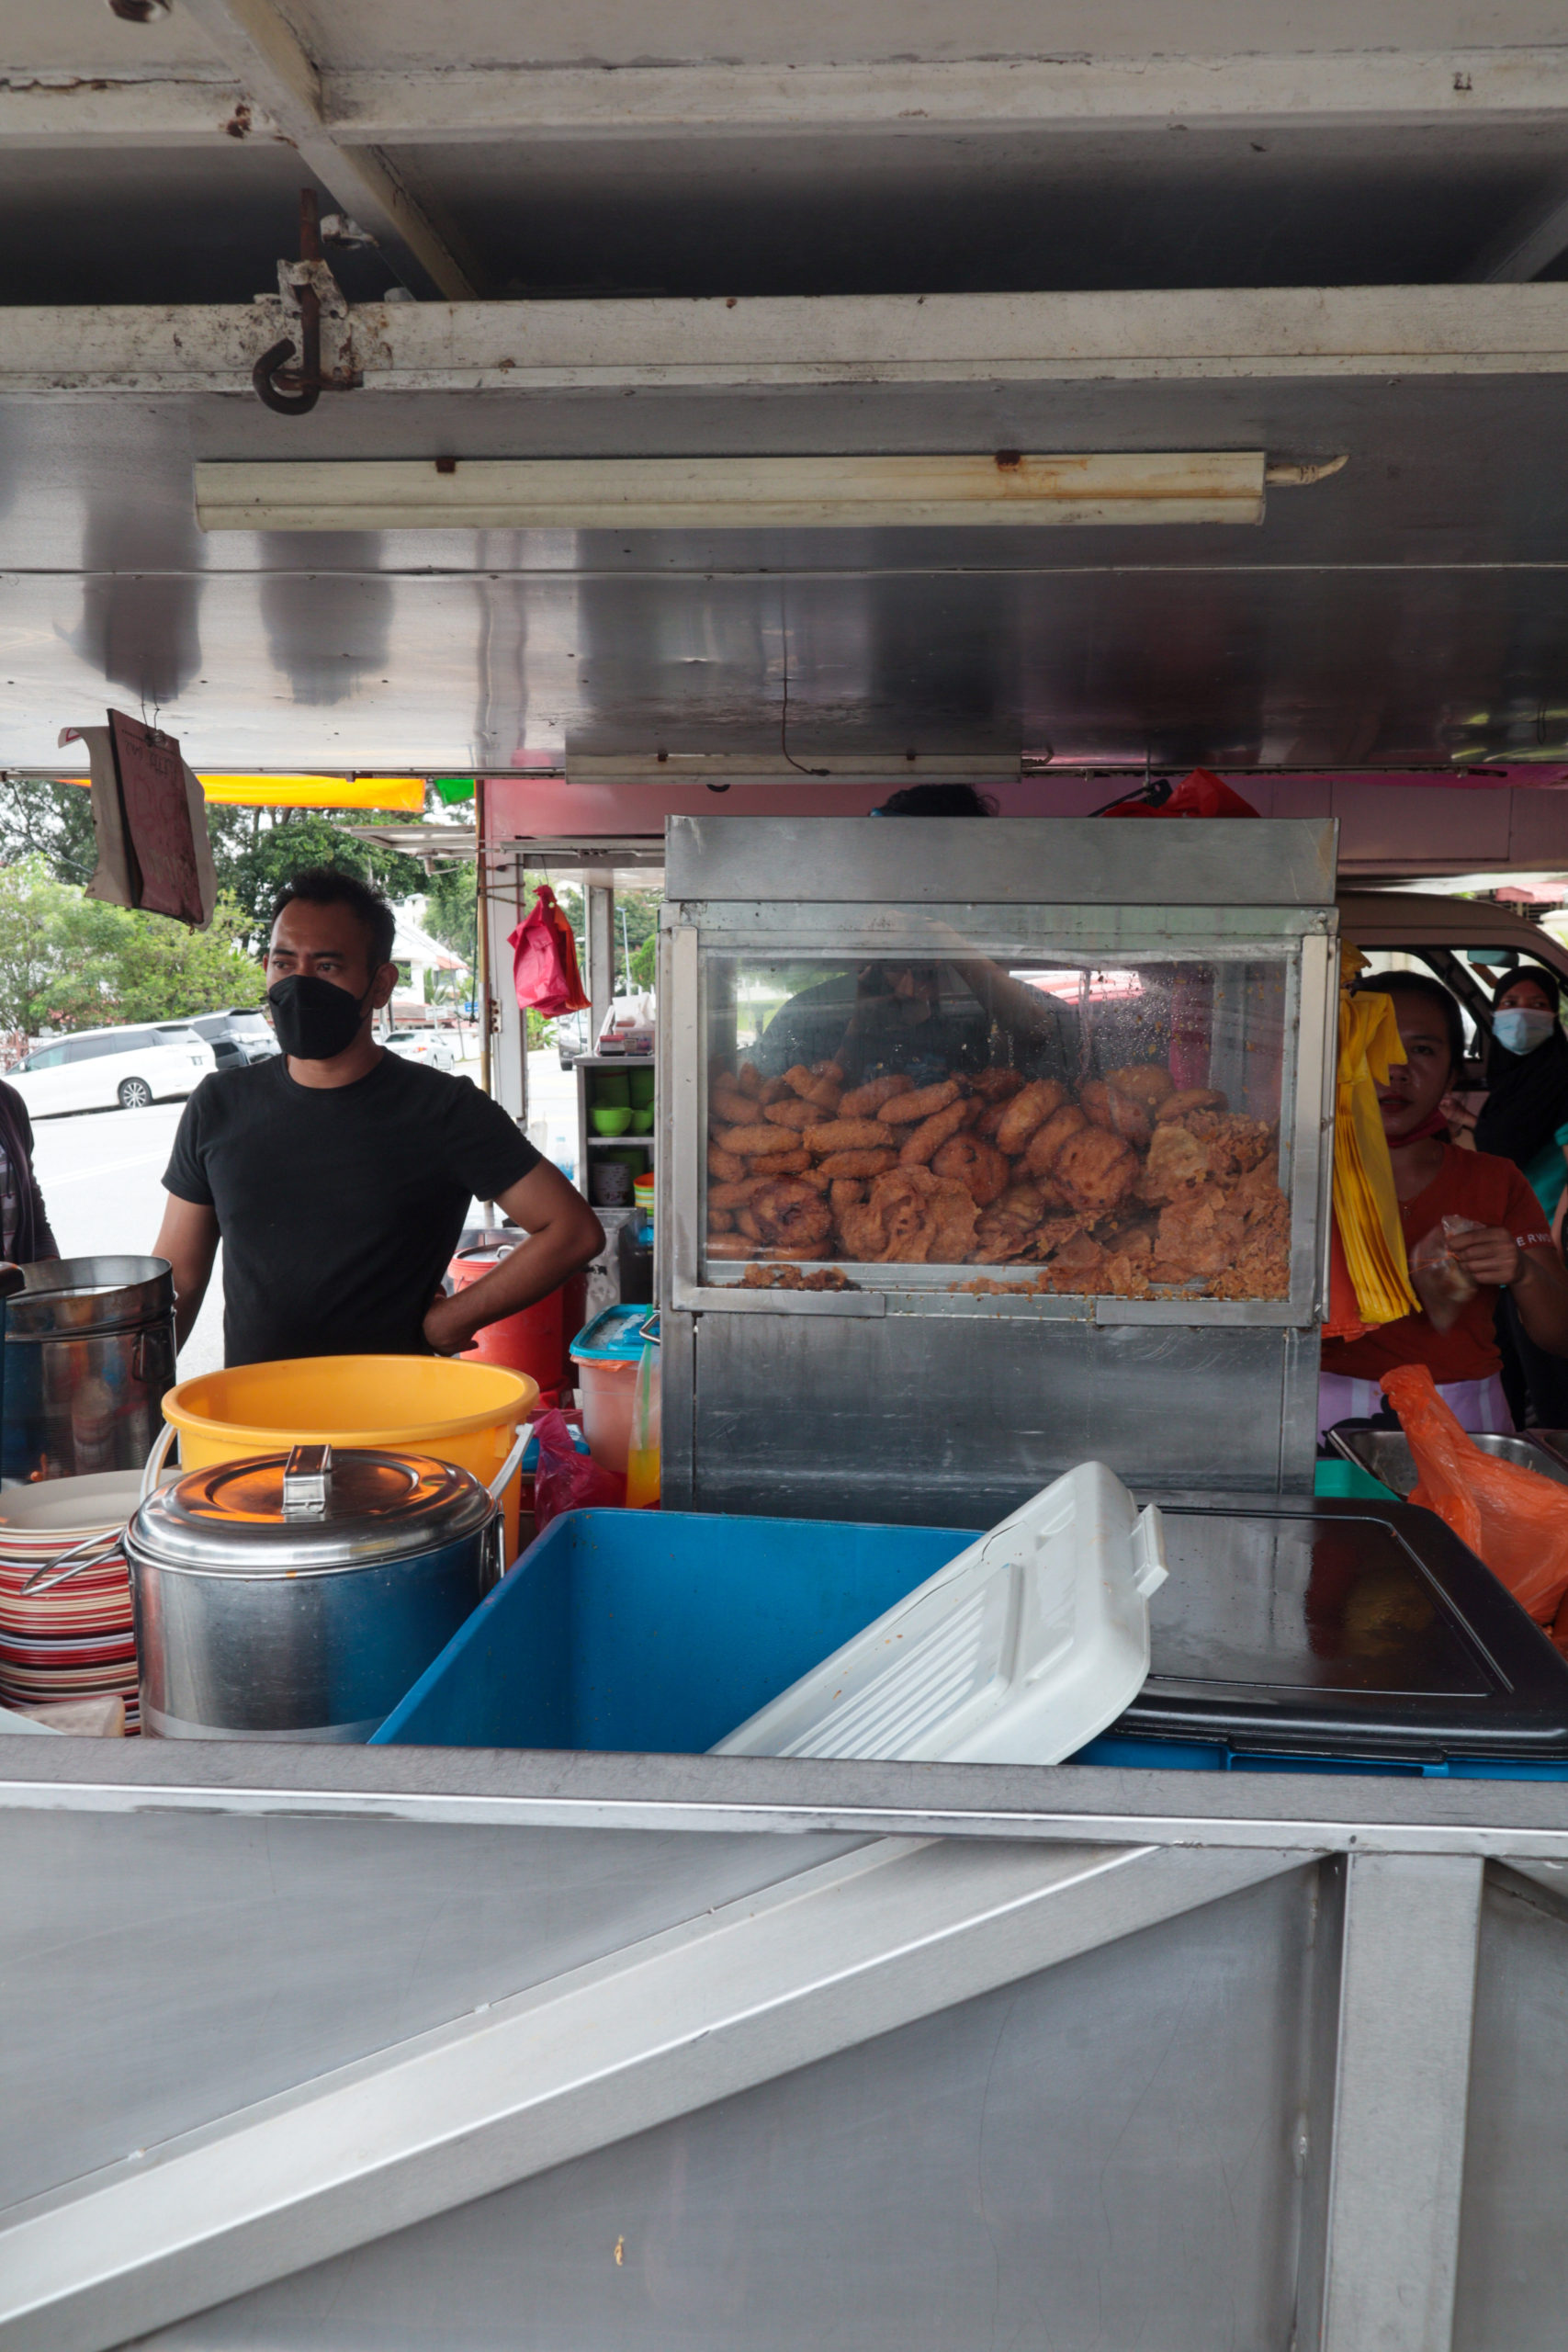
x,y
1366,1208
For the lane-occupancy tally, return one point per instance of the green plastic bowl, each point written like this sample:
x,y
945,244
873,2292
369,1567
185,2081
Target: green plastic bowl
x,y
642,1122
610,1118
639,1086
611,1087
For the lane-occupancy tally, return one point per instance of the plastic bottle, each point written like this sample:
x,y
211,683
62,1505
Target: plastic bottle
x,y
642,1458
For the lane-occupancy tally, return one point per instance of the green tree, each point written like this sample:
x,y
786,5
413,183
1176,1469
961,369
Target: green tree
x,y
259,860
67,962
450,910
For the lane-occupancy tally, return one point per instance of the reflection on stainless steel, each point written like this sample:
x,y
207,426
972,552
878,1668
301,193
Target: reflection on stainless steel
x,y
89,1356
1385,1453
1302,1604
909,1393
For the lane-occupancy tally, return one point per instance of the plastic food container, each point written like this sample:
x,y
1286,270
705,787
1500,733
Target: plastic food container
x,y
607,1355
465,1413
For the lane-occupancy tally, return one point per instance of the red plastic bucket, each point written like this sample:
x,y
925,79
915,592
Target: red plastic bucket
x,y
538,1341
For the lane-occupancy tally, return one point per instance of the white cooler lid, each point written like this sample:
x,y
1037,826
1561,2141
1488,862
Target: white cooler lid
x,y
1018,1652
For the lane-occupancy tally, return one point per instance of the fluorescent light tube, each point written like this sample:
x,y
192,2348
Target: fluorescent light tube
x,y
728,494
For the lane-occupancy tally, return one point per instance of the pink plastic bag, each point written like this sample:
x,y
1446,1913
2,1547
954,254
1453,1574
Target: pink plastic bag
x,y
544,959
567,1480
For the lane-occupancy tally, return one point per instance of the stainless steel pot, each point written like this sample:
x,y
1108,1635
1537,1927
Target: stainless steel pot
x,y
298,1595
89,1357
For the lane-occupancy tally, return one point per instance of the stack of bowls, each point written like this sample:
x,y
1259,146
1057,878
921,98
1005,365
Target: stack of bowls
x,y
77,1640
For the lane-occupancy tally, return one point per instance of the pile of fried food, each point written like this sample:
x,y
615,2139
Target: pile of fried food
x,y
1128,1185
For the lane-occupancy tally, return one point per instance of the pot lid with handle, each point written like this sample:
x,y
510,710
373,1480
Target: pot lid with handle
x,y
313,1511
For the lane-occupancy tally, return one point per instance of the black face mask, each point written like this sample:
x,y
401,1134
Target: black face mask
x,y
314,1020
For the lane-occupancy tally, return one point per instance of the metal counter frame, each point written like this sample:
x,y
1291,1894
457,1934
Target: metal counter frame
x,y
790,1920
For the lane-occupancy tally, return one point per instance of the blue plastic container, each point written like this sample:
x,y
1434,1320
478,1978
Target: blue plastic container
x,y
658,1632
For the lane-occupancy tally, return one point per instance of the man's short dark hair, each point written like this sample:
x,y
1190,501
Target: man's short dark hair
x,y
323,885
938,800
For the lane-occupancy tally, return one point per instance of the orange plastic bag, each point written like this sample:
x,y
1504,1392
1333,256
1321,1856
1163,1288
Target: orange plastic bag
x,y
1515,1519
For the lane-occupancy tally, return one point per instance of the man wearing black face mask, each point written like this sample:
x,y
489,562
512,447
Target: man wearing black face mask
x,y
338,1177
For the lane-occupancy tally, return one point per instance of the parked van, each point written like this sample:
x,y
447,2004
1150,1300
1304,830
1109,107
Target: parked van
x,y
97,1069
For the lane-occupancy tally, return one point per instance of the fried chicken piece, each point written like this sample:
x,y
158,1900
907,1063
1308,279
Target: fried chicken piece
x,y
775,1089
990,1119
1095,1170
1028,1111
909,1218
821,1085
748,1080
1078,1266
1200,1234
1235,1144
844,1194
720,1221
736,1196
725,1167
1046,1142
1191,1098
1106,1106
1147,1082
1177,1161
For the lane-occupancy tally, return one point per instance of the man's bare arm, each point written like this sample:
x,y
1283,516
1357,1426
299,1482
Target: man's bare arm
x,y
188,1240
563,1233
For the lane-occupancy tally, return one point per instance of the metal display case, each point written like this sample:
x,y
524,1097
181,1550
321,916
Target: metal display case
x,y
927,1317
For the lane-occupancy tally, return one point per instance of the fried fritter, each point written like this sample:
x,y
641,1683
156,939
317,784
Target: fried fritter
x,y
1191,1098
1147,1082
1095,1170
979,1165
1106,1106
1026,1112
1177,1160
1046,1142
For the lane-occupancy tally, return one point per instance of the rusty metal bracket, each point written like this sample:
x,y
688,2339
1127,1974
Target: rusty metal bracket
x,y
309,286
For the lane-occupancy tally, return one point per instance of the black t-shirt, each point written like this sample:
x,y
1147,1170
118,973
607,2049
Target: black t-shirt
x,y
339,1208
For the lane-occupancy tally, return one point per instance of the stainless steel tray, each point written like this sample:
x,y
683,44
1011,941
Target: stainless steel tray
x,y
1385,1453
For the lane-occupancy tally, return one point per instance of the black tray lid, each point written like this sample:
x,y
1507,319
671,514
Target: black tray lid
x,y
1324,1627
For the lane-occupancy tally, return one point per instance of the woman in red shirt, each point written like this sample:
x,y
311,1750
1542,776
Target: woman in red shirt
x,y
1433,1179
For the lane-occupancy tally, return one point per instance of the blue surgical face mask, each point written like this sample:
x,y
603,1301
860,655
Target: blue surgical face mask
x,y
1519,1028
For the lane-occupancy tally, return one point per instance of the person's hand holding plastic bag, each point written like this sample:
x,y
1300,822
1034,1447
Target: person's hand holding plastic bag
x,y
1515,1519
567,1480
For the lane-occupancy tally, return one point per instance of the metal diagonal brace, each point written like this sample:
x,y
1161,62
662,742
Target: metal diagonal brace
x,y
898,1930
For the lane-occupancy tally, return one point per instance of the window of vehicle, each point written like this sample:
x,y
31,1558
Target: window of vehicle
x,y
247,1024
47,1058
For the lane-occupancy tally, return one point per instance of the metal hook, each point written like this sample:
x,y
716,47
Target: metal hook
x,y
300,401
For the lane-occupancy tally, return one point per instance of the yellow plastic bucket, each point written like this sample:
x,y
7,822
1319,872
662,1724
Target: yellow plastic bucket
x,y
467,1413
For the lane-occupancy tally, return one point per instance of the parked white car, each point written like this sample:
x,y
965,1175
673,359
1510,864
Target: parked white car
x,y
427,1046
99,1068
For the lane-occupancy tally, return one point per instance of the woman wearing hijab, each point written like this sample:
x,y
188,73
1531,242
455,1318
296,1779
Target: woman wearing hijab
x,y
1525,1119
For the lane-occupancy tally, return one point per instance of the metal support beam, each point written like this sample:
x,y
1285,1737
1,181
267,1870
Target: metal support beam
x,y
1384,2197
259,45
599,902
898,1930
369,107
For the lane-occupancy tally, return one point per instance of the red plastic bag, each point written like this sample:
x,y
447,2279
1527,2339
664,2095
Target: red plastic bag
x,y
1202,793
1515,1519
544,958
567,1480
